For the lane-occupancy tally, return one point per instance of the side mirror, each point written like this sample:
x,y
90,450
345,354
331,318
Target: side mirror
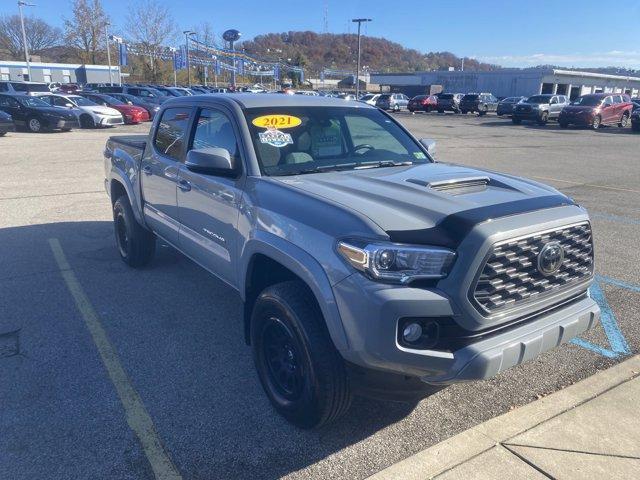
x,y
429,144
70,105
211,161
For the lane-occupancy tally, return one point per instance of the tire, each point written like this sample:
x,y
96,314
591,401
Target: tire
x,y
2,134
301,371
624,121
396,108
597,122
544,118
516,121
635,126
136,244
86,121
563,124
483,112
34,125
464,112
440,110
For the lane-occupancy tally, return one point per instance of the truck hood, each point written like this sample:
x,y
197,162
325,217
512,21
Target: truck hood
x,y
430,203
577,109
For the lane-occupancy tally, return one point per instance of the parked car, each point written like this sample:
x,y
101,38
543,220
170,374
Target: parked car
x,y
131,113
175,91
423,103
635,118
480,103
361,267
369,98
539,108
90,114
597,109
6,123
24,88
449,102
392,101
151,108
35,114
506,105
149,94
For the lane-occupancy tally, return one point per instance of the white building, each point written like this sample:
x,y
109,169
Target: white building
x,y
510,82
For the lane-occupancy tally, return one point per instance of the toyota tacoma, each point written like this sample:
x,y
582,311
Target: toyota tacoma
x,y
364,265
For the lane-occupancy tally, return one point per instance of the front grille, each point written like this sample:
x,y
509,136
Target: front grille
x,y
523,108
510,275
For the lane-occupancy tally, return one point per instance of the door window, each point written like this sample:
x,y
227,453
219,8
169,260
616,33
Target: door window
x,y
617,99
60,102
364,131
8,102
214,129
608,101
171,132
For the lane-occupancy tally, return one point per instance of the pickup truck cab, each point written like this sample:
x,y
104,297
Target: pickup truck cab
x,y
364,266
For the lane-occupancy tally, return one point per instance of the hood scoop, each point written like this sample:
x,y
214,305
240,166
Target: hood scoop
x,y
455,186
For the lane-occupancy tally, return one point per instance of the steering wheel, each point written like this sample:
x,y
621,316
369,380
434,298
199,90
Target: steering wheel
x,y
363,146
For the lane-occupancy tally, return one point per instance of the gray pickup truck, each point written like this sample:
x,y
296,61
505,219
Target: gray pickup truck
x,y
364,266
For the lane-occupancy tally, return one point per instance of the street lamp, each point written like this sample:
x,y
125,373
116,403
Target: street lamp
x,y
187,33
106,39
359,21
24,35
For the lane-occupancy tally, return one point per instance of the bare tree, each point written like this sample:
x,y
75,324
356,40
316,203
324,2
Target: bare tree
x,y
40,35
152,28
86,29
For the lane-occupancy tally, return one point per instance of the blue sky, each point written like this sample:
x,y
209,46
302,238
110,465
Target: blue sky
x,y
517,33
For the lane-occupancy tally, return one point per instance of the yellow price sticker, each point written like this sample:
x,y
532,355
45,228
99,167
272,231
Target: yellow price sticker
x,y
276,121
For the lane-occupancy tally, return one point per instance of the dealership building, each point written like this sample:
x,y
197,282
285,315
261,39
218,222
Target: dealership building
x,y
57,72
508,82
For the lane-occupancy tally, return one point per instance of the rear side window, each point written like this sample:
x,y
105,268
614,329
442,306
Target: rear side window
x,y
171,133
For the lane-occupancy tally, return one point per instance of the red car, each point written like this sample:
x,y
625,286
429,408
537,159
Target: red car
x,y
425,103
131,113
597,109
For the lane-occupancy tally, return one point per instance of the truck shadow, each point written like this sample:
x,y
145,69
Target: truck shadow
x,y
178,332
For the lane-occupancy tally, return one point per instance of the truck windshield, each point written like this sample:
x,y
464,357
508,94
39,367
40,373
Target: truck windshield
x,y
539,99
297,140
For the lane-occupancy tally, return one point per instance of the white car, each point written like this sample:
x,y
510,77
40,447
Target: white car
x,y
370,98
90,113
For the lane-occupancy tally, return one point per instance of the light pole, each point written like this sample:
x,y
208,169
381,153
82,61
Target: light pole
x,y
173,51
187,33
106,39
24,35
359,21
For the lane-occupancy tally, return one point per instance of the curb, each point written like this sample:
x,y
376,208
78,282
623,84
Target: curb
x,y
481,438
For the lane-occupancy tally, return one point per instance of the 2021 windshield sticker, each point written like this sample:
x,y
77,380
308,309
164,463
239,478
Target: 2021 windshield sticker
x,y
275,138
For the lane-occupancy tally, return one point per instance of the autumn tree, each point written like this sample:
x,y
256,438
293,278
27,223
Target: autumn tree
x,y
40,35
85,30
152,28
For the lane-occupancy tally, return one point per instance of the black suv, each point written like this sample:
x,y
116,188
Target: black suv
x,y
148,94
36,114
482,103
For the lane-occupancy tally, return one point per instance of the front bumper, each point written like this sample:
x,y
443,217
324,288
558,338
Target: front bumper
x,y
582,119
64,124
7,127
533,115
370,314
109,120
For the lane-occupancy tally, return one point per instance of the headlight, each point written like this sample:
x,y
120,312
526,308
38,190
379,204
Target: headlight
x,y
97,113
397,263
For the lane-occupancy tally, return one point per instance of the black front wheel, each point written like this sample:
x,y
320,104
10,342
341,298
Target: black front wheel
x,y
516,121
543,119
299,368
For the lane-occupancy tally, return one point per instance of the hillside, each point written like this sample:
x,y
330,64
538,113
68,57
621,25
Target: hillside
x,y
338,51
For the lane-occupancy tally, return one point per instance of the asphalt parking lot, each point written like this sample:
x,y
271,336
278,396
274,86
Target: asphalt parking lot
x,y
177,332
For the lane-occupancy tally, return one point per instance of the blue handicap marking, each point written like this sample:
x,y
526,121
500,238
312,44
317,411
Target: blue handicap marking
x,y
618,346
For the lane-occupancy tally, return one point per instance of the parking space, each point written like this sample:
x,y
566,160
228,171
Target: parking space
x,y
192,405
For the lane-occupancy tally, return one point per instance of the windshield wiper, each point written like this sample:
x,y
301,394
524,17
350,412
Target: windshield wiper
x,y
321,168
382,164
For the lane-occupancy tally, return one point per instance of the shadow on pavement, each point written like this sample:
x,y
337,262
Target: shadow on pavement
x,y
178,333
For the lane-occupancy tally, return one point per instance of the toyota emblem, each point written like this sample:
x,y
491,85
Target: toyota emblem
x,y
550,258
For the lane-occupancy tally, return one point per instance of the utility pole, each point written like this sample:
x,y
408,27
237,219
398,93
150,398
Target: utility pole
x,y
106,39
173,61
462,68
359,21
186,38
24,35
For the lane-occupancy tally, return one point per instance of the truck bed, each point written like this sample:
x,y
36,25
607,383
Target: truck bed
x,y
133,145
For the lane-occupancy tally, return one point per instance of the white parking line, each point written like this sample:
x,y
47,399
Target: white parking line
x,y
137,417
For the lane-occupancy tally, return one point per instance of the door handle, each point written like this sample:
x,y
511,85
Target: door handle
x,y
184,185
146,170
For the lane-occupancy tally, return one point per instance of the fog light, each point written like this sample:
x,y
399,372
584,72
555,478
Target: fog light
x,y
412,332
